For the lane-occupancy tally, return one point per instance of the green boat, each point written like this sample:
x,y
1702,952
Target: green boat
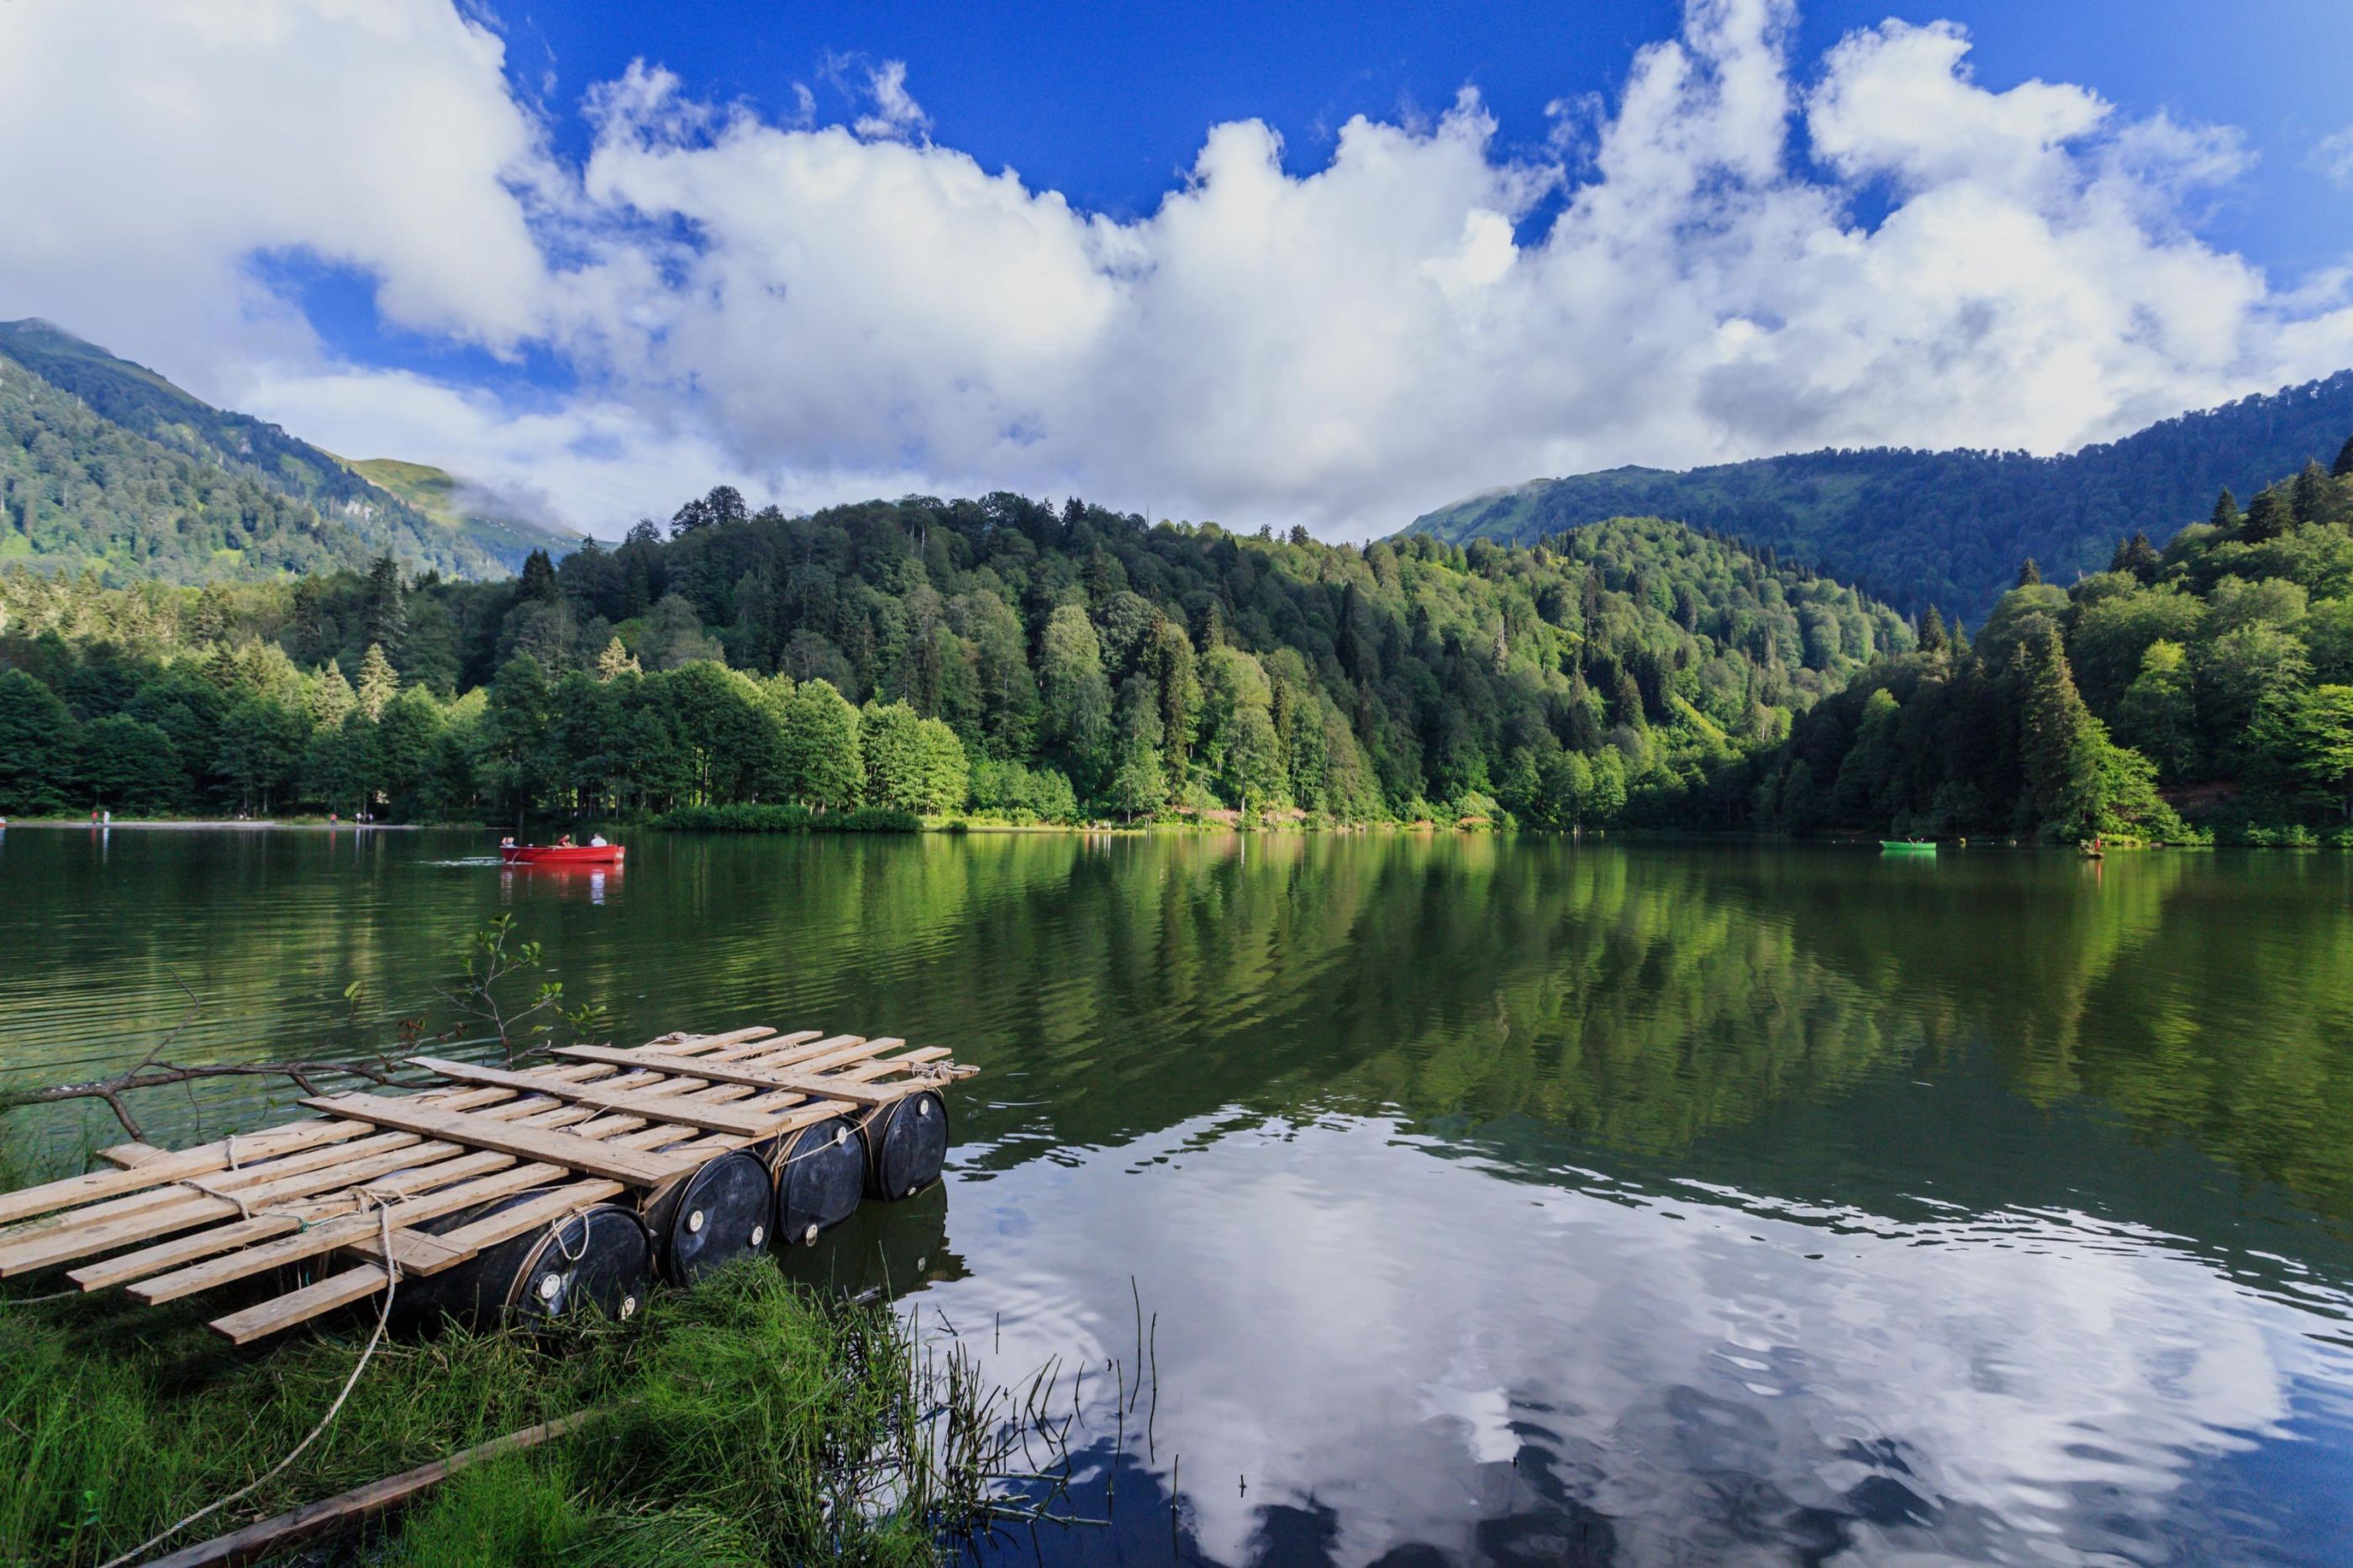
x,y
1908,847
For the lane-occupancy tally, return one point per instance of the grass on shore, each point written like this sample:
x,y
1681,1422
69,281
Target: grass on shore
x,y
746,1421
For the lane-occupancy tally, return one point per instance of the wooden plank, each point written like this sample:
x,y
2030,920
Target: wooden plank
x,y
721,1072
415,1252
222,1238
301,1306
653,1107
131,1156
218,1183
400,1171
197,1161
565,1148
268,1537
695,1045
509,1224
65,1243
186,1249
249,1176
350,1229
815,1060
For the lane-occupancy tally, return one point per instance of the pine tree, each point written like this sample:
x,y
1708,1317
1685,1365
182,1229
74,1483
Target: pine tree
x,y
616,662
2136,555
2057,741
2310,500
2266,519
331,697
538,582
2030,574
379,682
2343,467
384,615
2225,515
1933,639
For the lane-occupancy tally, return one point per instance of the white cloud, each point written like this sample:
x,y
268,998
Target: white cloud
x,y
896,116
154,152
2332,155
813,305
2049,1379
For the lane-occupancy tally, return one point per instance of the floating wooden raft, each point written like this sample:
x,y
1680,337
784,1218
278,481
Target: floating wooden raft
x,y
521,1150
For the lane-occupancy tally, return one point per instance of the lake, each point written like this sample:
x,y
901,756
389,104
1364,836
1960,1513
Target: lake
x,y
1461,1199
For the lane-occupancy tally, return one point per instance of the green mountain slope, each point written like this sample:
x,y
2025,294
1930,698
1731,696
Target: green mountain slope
x,y
2220,668
447,499
1945,527
105,463
1081,660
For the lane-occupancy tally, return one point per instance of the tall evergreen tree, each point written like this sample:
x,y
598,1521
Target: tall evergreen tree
x,y
2343,468
616,661
384,607
2225,515
2029,573
538,583
2056,741
2266,519
379,682
2137,556
1932,632
2309,500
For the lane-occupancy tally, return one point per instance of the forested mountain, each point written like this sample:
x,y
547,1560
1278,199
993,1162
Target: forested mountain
x,y
504,531
2220,668
1945,527
994,653
104,462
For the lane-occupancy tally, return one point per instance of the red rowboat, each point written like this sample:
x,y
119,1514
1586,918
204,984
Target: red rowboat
x,y
560,855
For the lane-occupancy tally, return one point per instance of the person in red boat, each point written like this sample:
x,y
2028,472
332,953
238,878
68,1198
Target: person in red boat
x,y
565,842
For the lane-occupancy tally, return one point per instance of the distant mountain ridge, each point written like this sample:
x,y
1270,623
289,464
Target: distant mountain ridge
x,y
1945,527
105,463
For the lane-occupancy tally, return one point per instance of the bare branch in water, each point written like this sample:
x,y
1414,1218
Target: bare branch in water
x,y
153,1074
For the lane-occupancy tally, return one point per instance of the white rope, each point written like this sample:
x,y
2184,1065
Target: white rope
x,y
391,1281
244,1209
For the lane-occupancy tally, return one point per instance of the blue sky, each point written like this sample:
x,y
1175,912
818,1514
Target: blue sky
x,y
1108,104
1266,264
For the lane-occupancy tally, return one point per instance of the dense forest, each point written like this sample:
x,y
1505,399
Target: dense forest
x,y
106,464
995,656
2218,670
1948,529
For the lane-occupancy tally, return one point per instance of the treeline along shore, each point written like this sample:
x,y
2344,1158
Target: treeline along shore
x,y
1001,659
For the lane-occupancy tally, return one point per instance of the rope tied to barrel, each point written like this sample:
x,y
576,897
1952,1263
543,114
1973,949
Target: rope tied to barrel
x,y
580,1212
391,1284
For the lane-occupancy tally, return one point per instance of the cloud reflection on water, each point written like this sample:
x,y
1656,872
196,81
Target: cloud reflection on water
x,y
1416,1352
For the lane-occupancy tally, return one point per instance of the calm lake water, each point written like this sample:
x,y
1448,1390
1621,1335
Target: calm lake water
x,y
1479,1200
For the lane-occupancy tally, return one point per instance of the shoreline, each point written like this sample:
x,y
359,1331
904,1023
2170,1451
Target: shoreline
x,y
195,824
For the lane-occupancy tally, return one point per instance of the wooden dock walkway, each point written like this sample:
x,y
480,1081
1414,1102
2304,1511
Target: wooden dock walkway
x,y
323,1195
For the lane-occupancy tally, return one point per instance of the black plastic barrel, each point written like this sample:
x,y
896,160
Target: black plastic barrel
x,y
722,1212
906,1144
820,1175
882,1252
598,1257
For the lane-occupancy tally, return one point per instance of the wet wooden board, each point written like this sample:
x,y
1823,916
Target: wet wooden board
x,y
561,1148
